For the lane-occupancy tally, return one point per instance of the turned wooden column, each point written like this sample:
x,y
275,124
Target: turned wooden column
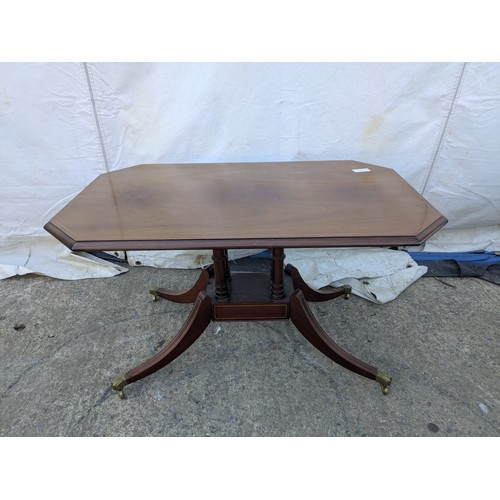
x,y
226,265
277,287
221,271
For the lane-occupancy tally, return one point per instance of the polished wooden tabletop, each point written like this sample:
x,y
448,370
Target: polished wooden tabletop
x,y
246,205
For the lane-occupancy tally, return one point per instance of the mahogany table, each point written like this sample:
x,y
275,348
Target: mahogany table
x,y
223,206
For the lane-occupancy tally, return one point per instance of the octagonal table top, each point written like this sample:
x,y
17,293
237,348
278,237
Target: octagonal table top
x,y
246,205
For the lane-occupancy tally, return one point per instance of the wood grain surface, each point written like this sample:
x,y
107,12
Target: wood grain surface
x,y
246,205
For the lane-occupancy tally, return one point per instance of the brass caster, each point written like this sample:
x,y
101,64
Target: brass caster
x,y
154,293
385,381
118,384
347,291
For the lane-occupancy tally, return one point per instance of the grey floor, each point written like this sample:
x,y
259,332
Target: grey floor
x,y
62,342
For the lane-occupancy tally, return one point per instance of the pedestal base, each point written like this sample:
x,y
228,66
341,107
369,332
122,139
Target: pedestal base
x,y
220,296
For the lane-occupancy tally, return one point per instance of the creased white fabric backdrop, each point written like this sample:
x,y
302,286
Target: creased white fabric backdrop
x,y
437,124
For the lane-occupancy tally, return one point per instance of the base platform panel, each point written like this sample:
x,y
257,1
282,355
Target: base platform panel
x,y
248,312
249,299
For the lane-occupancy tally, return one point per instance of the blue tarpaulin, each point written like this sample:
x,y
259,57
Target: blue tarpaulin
x,y
485,265
480,257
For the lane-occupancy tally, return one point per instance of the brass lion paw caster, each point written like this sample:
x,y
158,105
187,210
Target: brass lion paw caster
x,y
118,384
385,381
347,291
154,293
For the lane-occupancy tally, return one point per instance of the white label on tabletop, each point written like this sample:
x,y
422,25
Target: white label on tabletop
x,y
359,170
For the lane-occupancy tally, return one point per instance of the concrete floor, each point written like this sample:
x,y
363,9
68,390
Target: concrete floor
x,y
62,342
